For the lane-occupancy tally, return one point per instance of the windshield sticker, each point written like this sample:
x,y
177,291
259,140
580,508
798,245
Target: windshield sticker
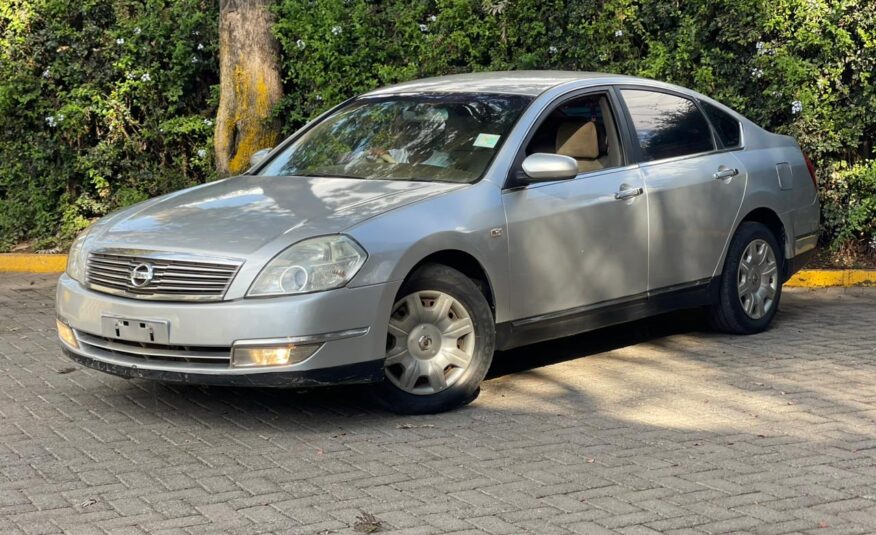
x,y
488,141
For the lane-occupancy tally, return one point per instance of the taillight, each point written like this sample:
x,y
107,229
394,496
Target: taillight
x,y
811,171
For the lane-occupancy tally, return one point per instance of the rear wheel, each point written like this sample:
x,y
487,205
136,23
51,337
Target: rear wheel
x,y
439,345
751,284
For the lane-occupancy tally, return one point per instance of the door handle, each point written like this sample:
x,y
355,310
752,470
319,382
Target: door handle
x,y
628,193
725,173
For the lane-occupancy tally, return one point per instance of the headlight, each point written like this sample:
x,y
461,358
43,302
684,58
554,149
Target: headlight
x,y
311,265
76,258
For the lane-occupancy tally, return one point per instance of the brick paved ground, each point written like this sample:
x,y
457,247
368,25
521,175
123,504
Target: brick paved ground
x,y
660,427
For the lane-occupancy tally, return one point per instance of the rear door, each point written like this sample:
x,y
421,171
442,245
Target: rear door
x,y
694,185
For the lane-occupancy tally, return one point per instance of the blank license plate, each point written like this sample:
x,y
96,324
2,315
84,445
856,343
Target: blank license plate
x,y
134,330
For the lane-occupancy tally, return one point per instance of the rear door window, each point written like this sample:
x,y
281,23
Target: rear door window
x,y
667,125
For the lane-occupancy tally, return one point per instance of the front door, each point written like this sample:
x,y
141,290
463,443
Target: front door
x,y
573,243
584,241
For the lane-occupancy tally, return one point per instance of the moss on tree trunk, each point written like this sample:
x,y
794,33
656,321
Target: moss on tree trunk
x,y
250,84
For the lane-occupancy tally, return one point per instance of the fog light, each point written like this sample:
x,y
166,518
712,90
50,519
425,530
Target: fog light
x,y
243,356
65,333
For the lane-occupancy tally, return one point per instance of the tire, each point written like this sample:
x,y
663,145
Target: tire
x,y
742,315
423,346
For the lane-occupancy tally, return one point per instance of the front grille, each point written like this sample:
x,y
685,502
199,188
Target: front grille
x,y
172,279
211,355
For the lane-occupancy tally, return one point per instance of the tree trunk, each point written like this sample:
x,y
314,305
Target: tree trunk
x,y
249,83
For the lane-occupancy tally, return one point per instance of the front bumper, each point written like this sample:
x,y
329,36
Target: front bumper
x,y
349,324
362,372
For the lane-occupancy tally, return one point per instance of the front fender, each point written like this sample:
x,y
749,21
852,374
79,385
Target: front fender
x,y
462,220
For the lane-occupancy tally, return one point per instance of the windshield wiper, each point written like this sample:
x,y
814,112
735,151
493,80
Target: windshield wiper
x,y
330,175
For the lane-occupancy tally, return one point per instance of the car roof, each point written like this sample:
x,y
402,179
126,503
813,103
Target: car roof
x,y
530,83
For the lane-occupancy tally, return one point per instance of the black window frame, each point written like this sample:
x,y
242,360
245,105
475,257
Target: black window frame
x,y
635,146
702,103
514,180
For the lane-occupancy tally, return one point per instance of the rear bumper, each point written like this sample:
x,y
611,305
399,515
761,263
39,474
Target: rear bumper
x,y
804,250
361,372
793,265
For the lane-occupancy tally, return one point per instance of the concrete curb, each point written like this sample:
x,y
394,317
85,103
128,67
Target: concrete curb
x,y
808,278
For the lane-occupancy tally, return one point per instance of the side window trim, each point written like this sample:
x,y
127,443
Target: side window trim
x,y
627,157
637,149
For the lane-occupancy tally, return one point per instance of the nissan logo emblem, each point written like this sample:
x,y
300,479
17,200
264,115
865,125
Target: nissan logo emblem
x,y
141,275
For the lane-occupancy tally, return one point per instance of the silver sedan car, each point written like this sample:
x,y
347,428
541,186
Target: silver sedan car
x,y
405,235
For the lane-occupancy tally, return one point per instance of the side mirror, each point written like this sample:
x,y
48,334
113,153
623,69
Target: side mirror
x,y
259,155
543,167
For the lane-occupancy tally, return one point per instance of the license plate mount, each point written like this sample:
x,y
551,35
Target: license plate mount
x,y
136,330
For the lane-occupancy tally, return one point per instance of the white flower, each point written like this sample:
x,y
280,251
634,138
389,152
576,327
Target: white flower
x,y
47,73
146,77
300,44
319,98
50,120
432,18
200,46
553,50
196,32
757,73
137,30
759,45
202,153
194,59
120,41
336,30
619,33
796,107
424,28
208,122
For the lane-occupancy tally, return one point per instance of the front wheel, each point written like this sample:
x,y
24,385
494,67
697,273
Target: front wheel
x,y
440,343
751,284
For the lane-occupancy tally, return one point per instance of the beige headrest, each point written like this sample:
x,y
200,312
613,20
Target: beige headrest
x,y
578,139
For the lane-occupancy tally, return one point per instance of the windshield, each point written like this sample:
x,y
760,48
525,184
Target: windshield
x,y
448,137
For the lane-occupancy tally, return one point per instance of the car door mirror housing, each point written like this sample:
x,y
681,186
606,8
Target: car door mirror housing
x,y
544,167
259,155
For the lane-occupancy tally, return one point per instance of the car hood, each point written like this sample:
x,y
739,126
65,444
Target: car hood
x,y
240,215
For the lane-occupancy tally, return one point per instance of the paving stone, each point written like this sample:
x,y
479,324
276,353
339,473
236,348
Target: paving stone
x,y
659,426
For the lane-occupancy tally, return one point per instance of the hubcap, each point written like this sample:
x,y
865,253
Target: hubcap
x,y
757,279
430,343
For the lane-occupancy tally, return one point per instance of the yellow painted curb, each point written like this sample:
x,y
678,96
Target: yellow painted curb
x,y
822,278
33,263
808,278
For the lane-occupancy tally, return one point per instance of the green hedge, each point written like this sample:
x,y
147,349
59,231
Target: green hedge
x,y
801,67
103,103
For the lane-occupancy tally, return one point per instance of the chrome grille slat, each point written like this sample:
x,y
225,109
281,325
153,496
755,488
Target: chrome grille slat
x,y
193,276
174,277
111,276
121,270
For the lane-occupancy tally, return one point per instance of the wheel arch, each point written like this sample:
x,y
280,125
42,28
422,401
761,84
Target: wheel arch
x,y
773,221
466,264
769,218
